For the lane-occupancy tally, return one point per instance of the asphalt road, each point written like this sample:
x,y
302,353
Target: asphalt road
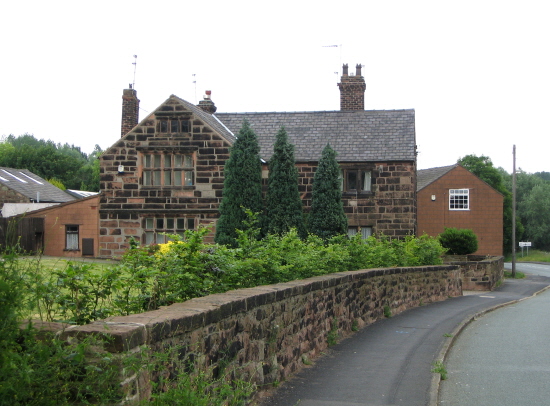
x,y
503,358
535,269
389,362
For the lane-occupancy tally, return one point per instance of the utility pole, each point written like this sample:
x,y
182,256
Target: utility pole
x,y
514,215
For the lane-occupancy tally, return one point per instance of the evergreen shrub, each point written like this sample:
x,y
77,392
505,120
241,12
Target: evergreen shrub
x,y
458,241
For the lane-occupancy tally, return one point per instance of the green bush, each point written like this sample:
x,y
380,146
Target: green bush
x,y
458,241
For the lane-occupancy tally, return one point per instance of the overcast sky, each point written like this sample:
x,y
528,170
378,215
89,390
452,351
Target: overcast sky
x,y
477,72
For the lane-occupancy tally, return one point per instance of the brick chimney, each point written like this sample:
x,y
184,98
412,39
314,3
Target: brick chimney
x,y
352,89
130,110
207,104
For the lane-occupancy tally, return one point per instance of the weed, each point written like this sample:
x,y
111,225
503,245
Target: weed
x,y
387,311
439,368
447,335
306,360
332,336
355,325
519,275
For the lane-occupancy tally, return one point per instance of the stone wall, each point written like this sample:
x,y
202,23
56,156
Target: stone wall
x,y
266,333
479,272
390,207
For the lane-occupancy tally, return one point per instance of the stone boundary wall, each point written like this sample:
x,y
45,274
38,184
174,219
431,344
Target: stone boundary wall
x,y
266,333
479,272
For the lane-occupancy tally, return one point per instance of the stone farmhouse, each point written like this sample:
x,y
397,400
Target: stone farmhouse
x,y
452,196
165,173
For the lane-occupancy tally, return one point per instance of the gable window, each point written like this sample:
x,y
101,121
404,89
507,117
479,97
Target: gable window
x,y
168,170
71,237
459,199
366,232
173,125
356,181
156,227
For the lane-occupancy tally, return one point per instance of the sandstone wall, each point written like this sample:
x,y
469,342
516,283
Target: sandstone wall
x,y
266,333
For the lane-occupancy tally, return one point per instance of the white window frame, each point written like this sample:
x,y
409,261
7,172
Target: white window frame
x,y
459,199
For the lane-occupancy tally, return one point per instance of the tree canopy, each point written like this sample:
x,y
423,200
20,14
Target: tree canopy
x,y
66,163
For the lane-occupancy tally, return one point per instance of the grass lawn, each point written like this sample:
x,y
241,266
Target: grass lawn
x,y
60,263
532,256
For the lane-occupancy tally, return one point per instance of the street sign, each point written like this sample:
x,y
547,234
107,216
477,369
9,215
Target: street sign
x,y
525,244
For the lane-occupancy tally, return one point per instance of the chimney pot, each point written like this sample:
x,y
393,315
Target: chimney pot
x,y
207,104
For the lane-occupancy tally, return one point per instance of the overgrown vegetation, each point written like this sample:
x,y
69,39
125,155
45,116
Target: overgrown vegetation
x,y
458,241
46,371
148,277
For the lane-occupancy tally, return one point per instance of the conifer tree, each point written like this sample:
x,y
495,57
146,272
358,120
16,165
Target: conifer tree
x,y
327,218
242,186
284,206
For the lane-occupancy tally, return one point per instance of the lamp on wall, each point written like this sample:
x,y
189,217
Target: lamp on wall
x,y
121,169
433,198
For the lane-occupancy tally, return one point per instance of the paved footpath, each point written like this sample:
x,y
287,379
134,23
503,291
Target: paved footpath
x,y
390,361
502,358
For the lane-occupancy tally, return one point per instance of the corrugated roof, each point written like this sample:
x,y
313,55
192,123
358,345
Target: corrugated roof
x,y
426,176
32,186
357,136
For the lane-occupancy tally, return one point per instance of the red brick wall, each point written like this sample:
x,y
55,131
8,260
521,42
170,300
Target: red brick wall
x,y
83,213
484,216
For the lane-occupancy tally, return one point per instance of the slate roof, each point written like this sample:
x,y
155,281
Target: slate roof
x,y
357,136
424,177
32,186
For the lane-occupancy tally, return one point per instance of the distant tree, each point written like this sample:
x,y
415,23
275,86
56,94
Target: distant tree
x,y
65,162
242,186
543,175
284,206
483,168
534,210
327,218
57,183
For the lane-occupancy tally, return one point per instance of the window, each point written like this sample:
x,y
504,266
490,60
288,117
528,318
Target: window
x,y
71,237
154,228
173,126
366,232
168,170
459,199
356,181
